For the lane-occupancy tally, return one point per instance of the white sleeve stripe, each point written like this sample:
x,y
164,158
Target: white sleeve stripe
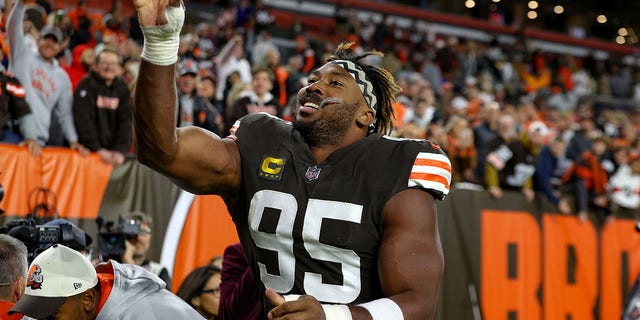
x,y
429,185
431,169
433,156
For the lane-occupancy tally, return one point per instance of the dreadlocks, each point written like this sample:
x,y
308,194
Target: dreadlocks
x,y
384,87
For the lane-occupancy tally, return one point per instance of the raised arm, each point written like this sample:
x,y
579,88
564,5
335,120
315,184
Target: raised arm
x,y
15,33
195,159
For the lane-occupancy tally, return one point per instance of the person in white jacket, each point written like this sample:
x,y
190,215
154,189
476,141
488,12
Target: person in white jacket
x,y
63,284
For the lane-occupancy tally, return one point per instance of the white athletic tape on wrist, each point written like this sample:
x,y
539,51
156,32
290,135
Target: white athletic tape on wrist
x,y
383,309
336,312
161,43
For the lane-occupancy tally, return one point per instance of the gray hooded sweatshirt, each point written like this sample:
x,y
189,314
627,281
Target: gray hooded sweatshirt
x,y
140,294
47,85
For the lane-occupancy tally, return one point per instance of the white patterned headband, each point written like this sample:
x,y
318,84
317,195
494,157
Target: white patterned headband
x,y
366,87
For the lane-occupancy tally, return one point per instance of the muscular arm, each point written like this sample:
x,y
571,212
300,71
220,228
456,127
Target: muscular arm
x,y
195,159
410,257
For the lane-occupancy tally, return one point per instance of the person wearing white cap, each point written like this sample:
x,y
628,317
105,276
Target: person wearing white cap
x,y
63,284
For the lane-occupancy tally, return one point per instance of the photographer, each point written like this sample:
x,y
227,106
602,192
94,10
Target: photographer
x,y
137,246
13,271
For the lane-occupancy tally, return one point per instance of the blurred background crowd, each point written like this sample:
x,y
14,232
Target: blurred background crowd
x,y
511,116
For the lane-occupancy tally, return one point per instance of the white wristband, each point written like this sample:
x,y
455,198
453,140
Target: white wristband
x,y
383,309
336,312
161,43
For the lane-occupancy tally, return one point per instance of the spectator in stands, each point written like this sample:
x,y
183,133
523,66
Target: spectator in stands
x,y
204,47
484,132
424,110
244,11
263,18
231,58
583,137
83,58
206,87
546,180
590,179
431,72
194,109
201,290
48,88
536,74
624,189
460,149
287,78
79,17
234,87
509,164
130,68
13,274
102,109
264,44
109,291
13,107
447,58
459,107
620,79
138,246
411,131
468,59
239,294
259,99
583,82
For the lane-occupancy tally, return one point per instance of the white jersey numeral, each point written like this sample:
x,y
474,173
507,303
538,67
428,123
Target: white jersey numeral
x,y
282,243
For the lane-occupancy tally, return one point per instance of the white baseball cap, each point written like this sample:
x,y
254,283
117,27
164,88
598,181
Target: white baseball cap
x,y
54,275
538,126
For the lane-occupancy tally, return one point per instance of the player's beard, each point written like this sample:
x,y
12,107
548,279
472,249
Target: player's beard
x,y
329,128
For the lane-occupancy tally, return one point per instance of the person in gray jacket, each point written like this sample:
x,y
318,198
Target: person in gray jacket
x,y
63,284
47,85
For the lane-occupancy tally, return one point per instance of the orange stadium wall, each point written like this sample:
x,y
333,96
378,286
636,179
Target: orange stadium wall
x,y
505,259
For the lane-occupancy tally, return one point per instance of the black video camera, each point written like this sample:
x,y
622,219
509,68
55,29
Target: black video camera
x,y
111,242
38,238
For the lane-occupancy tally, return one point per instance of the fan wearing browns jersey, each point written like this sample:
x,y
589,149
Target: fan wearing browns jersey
x,y
338,220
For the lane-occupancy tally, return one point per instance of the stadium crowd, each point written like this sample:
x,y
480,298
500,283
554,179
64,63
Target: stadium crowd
x,y
510,118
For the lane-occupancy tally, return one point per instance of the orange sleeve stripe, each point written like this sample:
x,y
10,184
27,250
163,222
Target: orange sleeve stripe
x,y
432,163
430,177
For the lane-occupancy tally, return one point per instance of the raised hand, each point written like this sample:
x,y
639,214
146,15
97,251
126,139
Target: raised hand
x,y
305,307
152,13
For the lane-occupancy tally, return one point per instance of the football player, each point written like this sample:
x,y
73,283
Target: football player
x,y
338,221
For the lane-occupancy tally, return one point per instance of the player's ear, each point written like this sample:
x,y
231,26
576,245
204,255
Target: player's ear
x,y
366,117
